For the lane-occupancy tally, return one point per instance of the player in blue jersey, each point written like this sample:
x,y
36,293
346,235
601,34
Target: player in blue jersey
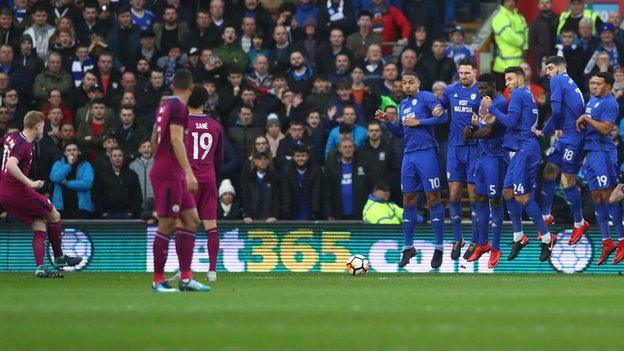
x,y
602,171
567,156
522,171
419,112
489,173
463,100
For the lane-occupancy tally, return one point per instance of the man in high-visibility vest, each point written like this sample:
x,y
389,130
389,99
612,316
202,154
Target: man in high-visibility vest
x,y
379,209
571,17
511,35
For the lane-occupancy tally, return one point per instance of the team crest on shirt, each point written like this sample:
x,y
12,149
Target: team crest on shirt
x,y
175,208
473,96
414,102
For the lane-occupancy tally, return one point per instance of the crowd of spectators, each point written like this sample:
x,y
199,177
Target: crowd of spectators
x,y
295,89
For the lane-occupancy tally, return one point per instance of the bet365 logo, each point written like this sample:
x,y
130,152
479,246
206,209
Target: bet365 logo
x,y
75,243
571,259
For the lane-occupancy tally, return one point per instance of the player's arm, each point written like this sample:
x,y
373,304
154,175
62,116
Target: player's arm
x,y
394,128
603,127
13,168
483,133
154,140
554,122
177,142
510,119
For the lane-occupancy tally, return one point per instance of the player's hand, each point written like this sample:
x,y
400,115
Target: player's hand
x,y
580,123
489,118
468,130
474,120
411,122
381,116
191,182
247,220
538,133
271,220
558,134
486,101
37,184
437,111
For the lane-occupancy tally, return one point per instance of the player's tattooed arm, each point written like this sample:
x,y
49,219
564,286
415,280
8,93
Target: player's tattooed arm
x,y
603,127
13,168
154,140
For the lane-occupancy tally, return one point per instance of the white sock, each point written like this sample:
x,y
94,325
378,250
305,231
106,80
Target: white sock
x,y
406,247
546,238
578,224
517,236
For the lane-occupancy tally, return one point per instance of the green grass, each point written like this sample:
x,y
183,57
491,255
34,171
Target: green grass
x,y
104,311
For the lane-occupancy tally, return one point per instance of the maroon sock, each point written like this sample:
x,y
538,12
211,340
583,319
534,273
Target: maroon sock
x,y
54,234
213,248
160,248
39,247
185,245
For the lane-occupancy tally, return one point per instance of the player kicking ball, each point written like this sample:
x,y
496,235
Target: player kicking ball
x,y
601,112
19,197
522,171
174,182
418,113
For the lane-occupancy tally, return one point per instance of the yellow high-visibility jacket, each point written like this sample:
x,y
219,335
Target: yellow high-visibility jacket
x,y
511,35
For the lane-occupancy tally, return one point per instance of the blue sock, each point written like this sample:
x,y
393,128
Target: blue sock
x,y
615,213
533,211
436,213
483,219
497,225
573,194
515,214
548,193
602,217
473,217
409,222
455,212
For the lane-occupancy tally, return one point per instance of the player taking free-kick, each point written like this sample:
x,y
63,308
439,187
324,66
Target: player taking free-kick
x,y
19,197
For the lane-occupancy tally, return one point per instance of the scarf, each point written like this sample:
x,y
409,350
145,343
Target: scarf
x,y
335,10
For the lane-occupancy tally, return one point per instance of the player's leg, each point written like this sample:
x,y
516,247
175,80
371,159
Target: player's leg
x,y
429,171
471,157
496,209
482,208
38,244
597,176
573,195
54,230
185,246
213,247
515,212
167,199
456,174
410,185
524,183
549,182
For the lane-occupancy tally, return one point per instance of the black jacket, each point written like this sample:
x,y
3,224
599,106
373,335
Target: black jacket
x,y
437,69
117,193
283,155
380,162
235,212
312,190
260,202
332,189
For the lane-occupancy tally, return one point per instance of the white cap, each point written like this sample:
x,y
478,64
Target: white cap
x,y
226,187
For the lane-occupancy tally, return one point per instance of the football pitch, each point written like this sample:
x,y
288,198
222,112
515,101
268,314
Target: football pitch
x,y
315,311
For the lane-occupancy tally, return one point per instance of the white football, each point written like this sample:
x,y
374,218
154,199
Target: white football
x,y
357,265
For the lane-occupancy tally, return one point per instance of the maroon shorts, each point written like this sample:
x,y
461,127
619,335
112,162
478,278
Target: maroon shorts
x,y
206,200
171,196
27,206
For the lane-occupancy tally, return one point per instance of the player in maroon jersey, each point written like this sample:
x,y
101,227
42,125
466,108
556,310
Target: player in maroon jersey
x,y
173,182
19,197
204,149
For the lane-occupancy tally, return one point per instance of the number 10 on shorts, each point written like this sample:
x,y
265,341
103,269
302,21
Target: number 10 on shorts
x,y
435,183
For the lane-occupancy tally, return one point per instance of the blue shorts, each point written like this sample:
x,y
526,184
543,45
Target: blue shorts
x,y
421,171
601,170
461,162
489,174
522,172
568,157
